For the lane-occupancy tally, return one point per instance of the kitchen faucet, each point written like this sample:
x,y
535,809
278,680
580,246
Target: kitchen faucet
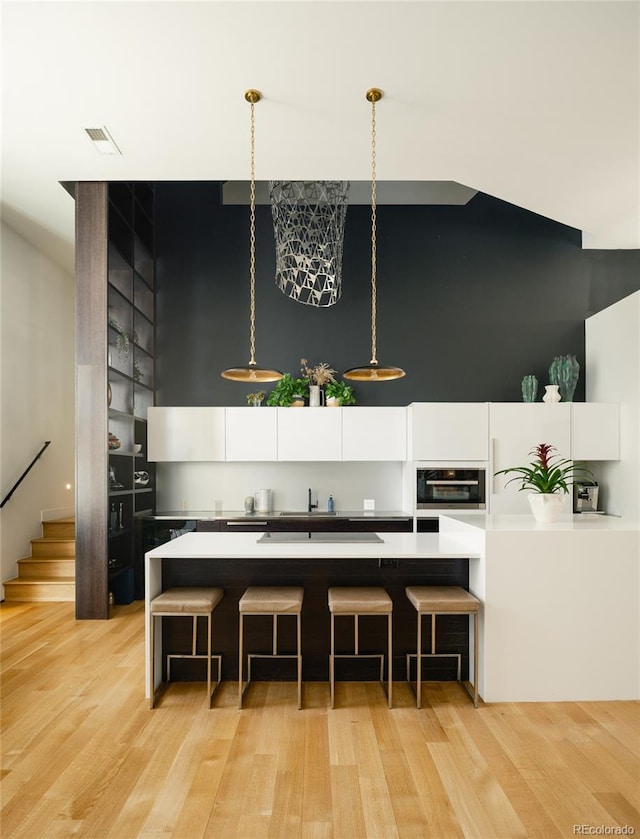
x,y
310,506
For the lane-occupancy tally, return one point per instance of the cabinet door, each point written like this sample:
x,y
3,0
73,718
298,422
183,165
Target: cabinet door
x,y
515,429
449,431
310,433
595,431
181,434
374,433
251,434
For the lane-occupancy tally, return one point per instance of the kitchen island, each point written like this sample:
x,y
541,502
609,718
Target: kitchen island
x,y
234,560
559,619
561,605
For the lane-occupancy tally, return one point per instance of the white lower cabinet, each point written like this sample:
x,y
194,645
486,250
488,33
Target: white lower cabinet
x,y
448,431
374,433
185,434
309,434
595,430
251,434
516,428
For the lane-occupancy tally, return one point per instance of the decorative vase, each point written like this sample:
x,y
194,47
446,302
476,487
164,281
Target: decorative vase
x,y
333,402
529,388
551,393
316,396
564,372
546,506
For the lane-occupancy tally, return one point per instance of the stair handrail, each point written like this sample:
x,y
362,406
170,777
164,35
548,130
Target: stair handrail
x,y
24,474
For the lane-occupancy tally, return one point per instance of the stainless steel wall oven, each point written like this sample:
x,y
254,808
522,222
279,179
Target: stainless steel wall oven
x,y
450,488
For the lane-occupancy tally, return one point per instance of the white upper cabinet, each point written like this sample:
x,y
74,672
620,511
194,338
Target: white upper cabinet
x,y
448,431
309,433
252,433
181,434
595,430
374,433
516,428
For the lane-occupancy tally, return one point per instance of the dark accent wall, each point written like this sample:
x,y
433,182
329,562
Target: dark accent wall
x,y
470,299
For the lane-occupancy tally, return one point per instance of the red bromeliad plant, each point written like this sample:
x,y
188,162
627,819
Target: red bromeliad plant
x,y
547,473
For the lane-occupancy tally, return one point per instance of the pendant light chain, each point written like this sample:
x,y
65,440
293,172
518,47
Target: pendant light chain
x,y
252,373
374,300
252,241
372,372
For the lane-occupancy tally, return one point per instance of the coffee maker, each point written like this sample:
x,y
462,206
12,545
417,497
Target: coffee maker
x,y
585,497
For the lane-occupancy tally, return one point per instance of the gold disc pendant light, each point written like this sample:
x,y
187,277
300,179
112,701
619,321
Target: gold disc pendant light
x,y
252,373
373,372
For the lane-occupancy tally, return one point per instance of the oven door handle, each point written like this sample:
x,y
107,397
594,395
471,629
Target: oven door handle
x,y
452,483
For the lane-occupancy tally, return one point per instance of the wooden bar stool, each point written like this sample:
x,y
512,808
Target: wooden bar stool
x,y
356,601
275,601
186,602
442,600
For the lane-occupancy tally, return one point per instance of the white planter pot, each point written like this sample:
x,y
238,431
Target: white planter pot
x,y
546,507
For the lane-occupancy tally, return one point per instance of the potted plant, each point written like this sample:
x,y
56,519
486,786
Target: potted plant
x,y
255,399
288,391
548,477
317,376
339,393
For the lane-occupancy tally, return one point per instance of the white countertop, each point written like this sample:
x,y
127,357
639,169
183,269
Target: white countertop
x,y
245,546
579,523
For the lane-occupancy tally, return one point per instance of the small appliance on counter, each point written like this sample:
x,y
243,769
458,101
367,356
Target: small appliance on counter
x,y
263,501
585,497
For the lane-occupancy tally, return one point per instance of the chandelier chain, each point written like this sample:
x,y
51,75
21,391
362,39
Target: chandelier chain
x,y
374,360
252,243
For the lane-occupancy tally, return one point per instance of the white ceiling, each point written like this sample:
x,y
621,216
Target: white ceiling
x,y
537,103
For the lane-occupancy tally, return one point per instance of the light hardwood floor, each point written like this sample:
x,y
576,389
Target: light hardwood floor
x,y
83,756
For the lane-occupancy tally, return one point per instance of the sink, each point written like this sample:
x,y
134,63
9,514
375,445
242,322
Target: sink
x,y
303,514
322,538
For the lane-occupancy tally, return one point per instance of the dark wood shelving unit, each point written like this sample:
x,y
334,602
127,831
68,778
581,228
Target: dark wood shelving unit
x,y
115,315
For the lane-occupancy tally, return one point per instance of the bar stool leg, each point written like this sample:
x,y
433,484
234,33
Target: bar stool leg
x,y
152,651
419,664
390,660
475,659
332,681
240,661
299,634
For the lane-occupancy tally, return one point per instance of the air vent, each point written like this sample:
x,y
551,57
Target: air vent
x,y
103,141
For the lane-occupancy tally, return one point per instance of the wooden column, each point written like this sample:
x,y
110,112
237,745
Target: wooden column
x,y
91,402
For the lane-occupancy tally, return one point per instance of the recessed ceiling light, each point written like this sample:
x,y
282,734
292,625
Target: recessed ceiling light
x,y
102,140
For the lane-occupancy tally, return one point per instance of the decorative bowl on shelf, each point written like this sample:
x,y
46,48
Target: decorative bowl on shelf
x,y
114,442
137,448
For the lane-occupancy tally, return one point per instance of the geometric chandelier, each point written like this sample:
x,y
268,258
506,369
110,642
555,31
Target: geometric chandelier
x,y
308,224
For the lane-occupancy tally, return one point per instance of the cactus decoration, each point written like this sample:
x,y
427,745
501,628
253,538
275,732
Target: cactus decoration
x,y
529,388
564,372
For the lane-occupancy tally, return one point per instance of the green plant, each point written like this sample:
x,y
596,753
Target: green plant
x,y
342,391
286,389
256,398
123,341
547,473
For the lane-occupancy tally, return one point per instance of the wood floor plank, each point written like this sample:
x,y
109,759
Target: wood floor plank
x,y
83,756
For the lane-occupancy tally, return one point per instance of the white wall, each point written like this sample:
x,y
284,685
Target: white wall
x,y
613,375
36,392
197,486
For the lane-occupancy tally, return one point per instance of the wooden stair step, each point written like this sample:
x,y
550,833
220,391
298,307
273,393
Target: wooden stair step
x,y
52,589
60,528
59,566
45,546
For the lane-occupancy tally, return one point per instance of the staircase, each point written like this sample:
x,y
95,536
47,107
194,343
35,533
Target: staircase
x,y
50,572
